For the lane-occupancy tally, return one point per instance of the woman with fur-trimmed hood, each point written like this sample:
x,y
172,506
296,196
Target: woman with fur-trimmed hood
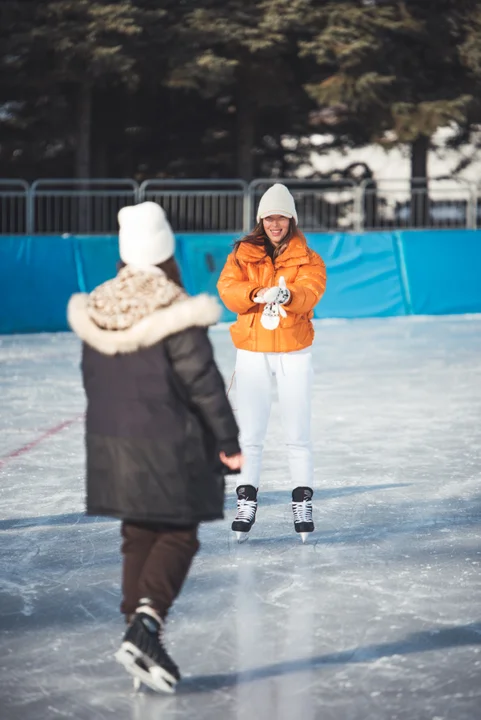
x,y
159,430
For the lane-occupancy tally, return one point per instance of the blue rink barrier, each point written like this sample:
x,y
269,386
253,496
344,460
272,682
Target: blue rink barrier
x,y
440,271
363,277
376,274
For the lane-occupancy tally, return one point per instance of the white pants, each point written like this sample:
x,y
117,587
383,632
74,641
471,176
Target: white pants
x,y
293,372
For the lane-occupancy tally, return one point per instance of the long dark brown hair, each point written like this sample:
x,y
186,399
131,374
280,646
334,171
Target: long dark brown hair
x,y
169,267
259,237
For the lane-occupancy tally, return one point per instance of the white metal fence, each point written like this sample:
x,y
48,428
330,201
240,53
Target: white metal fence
x,y
91,206
445,203
14,196
76,206
199,205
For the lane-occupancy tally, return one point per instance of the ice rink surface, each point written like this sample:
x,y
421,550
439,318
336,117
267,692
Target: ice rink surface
x,y
378,617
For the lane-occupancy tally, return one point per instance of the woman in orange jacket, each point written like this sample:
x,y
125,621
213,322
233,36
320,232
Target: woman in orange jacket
x,y
273,281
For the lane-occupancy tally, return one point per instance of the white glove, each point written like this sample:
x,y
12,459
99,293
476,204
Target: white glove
x,y
270,315
278,294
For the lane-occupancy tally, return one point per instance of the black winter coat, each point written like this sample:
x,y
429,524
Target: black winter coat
x,y
157,416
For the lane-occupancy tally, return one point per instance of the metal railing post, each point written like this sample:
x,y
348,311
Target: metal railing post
x,y
247,211
359,193
472,209
30,211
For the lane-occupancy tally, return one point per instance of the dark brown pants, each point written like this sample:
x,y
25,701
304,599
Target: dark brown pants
x,y
156,560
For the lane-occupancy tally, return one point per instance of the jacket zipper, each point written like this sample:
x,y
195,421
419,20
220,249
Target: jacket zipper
x,y
276,331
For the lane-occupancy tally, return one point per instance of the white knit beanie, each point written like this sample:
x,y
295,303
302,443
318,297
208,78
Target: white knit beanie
x,y
277,201
145,236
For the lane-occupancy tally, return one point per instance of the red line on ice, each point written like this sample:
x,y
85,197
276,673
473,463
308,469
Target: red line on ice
x,y
29,446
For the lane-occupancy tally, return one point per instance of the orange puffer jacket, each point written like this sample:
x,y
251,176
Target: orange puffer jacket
x,y
305,274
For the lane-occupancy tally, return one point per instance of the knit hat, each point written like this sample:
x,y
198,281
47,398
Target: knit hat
x,y
277,201
145,236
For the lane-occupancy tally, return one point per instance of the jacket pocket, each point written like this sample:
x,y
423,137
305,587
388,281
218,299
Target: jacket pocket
x,y
295,332
291,320
242,328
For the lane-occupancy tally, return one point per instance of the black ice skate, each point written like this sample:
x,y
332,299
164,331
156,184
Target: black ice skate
x,y
143,655
246,511
302,511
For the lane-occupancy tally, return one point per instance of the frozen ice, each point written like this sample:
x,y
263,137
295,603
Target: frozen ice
x,y
376,617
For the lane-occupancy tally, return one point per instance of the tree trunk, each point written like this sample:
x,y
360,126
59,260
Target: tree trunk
x,y
420,216
83,156
245,129
100,164
84,131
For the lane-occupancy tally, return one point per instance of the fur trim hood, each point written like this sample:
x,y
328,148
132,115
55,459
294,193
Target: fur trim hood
x,y
130,296
198,311
135,310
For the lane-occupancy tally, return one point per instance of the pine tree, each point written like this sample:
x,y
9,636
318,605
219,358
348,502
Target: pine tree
x,y
82,45
241,51
392,72
68,52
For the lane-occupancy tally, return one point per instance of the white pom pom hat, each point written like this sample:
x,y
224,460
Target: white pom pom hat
x,y
277,201
145,235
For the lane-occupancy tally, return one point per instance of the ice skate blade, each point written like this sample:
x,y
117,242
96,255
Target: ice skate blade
x,y
156,678
304,536
241,536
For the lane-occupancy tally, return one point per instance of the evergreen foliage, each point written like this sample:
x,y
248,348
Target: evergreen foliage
x,y
211,88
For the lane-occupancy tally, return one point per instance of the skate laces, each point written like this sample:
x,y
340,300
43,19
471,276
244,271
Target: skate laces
x,y
302,511
246,510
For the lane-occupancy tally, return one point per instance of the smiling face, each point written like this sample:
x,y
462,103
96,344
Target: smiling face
x,y
276,227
